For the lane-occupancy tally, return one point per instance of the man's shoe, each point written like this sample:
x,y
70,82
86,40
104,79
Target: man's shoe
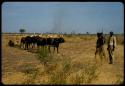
x,y
110,62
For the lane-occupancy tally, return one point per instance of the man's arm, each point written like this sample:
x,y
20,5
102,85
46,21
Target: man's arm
x,y
114,43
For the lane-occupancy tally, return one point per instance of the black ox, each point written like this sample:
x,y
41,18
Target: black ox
x,y
27,41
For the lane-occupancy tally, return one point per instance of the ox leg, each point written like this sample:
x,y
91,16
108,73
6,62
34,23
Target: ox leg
x,y
25,46
49,48
37,46
32,45
96,52
20,45
43,48
57,48
53,49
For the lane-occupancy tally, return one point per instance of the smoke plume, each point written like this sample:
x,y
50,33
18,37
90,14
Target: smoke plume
x,y
58,20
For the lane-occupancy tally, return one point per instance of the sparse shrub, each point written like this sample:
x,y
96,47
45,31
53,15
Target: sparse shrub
x,y
60,75
58,78
83,76
43,54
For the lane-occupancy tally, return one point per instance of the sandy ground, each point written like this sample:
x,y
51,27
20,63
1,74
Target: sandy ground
x,y
14,61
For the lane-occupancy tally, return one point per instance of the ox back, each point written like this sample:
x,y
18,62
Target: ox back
x,y
54,42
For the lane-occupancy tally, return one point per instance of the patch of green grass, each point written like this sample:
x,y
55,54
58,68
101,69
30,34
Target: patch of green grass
x,y
43,54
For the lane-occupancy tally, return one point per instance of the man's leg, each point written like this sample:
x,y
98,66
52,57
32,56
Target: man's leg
x,y
103,53
110,56
96,52
100,54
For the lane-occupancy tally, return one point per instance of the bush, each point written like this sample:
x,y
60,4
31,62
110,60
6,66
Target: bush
x,y
42,53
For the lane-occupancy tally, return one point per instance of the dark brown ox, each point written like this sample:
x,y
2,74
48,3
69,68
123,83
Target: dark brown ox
x,y
26,42
50,42
54,42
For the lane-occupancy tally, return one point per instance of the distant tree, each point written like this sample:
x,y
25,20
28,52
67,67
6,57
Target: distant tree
x,y
22,30
87,32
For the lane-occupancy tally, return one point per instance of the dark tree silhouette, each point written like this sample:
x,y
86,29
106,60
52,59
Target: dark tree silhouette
x,y
87,32
22,30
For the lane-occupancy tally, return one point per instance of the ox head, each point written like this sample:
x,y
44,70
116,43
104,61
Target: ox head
x,y
61,40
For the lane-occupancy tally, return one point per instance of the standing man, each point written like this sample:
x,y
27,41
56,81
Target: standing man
x,y
100,46
111,47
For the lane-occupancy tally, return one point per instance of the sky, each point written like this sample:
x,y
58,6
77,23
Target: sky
x,y
78,17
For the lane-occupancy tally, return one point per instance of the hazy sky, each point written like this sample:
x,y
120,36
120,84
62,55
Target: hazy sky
x,y
79,17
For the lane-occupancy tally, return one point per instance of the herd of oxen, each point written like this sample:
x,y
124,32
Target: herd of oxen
x,y
32,41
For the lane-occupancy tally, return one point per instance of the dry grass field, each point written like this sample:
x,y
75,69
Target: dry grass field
x,y
74,64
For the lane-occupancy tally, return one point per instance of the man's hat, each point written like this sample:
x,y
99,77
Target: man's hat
x,y
99,34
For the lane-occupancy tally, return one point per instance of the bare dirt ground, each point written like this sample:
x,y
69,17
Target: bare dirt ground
x,y
22,67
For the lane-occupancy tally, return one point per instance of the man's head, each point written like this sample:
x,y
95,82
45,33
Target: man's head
x,y
111,33
99,35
